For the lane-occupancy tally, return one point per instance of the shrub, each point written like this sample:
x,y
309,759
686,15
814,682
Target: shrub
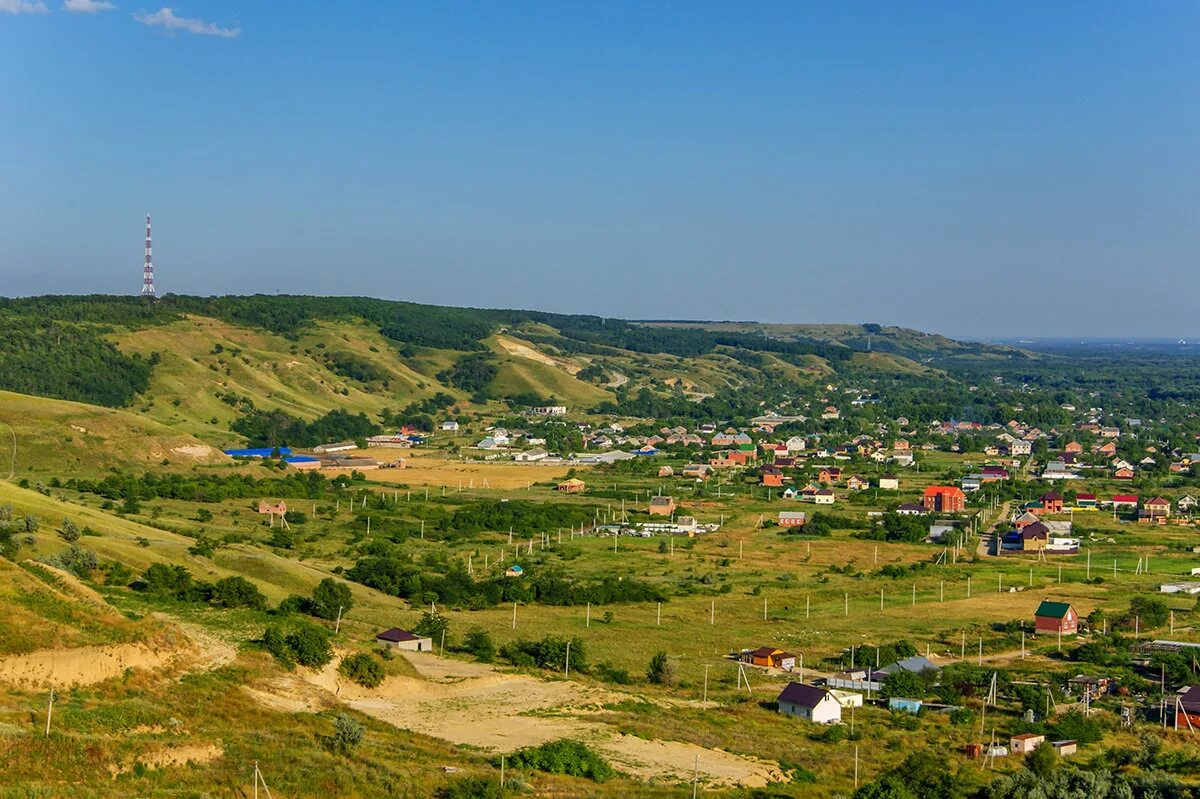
x,y
329,596
479,643
362,668
471,788
307,645
564,757
347,733
69,531
661,671
238,592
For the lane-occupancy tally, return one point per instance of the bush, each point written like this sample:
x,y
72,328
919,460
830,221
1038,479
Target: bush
x,y
237,592
329,596
307,645
471,788
69,531
661,671
564,757
479,643
362,668
347,733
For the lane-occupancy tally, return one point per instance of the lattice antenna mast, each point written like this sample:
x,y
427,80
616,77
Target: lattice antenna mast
x,y
148,270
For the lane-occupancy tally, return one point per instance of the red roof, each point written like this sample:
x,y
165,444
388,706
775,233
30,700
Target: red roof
x,y
953,491
1125,498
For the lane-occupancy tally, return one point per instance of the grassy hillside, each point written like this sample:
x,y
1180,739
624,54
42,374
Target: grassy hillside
x,y
72,435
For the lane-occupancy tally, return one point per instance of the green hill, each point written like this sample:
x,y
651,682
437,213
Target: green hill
x,y
188,371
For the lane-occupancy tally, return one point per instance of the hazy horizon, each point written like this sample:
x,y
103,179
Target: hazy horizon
x,y
1005,172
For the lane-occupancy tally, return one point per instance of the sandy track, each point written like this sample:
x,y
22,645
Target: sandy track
x,y
525,351
472,703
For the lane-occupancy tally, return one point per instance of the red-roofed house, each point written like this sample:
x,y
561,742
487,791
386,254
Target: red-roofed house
x,y
1124,501
944,499
1052,502
1157,508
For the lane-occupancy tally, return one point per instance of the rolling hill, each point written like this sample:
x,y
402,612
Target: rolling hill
x,y
183,373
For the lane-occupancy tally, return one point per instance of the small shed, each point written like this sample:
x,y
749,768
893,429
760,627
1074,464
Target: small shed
x,y
514,571
1065,748
1025,743
396,638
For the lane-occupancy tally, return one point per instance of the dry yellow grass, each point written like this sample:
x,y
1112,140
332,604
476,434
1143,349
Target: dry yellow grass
x,y
429,471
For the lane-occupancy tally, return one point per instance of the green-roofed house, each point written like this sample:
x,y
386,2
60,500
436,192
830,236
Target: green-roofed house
x,y
1056,617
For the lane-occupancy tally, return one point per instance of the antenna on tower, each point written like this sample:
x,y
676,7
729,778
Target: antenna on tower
x,y
148,270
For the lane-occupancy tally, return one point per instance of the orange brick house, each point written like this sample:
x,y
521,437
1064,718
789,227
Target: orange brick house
x,y
944,499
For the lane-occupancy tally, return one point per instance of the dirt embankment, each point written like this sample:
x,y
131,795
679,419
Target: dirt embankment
x,y
187,649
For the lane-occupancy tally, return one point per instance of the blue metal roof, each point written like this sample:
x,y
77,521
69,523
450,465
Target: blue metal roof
x,y
258,452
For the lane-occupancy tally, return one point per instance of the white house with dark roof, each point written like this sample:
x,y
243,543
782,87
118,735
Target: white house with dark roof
x,y
809,702
396,638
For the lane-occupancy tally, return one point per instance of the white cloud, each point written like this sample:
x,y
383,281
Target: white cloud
x,y
165,18
23,7
87,6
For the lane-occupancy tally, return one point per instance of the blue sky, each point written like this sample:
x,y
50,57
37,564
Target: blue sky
x,y
966,168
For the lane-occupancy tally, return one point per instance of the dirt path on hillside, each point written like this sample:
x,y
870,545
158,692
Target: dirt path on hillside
x,y
473,703
525,351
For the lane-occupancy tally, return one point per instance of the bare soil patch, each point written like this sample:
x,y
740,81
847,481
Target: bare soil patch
x,y
472,703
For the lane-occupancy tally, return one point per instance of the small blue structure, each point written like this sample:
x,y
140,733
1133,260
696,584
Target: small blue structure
x,y
301,459
645,451
907,705
259,452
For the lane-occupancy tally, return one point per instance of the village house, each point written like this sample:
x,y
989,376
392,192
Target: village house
x,y
770,475
273,508
809,702
1124,501
796,444
944,499
768,657
698,471
889,482
1123,473
790,518
856,483
661,506
665,471
1052,502
1187,709
1089,687
1021,447
1056,617
1085,500
531,455
1157,508
830,474
396,638
449,426
571,486
911,509
1186,503
824,497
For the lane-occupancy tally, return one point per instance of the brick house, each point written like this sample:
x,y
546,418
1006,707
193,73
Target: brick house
x,y
1056,617
944,499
